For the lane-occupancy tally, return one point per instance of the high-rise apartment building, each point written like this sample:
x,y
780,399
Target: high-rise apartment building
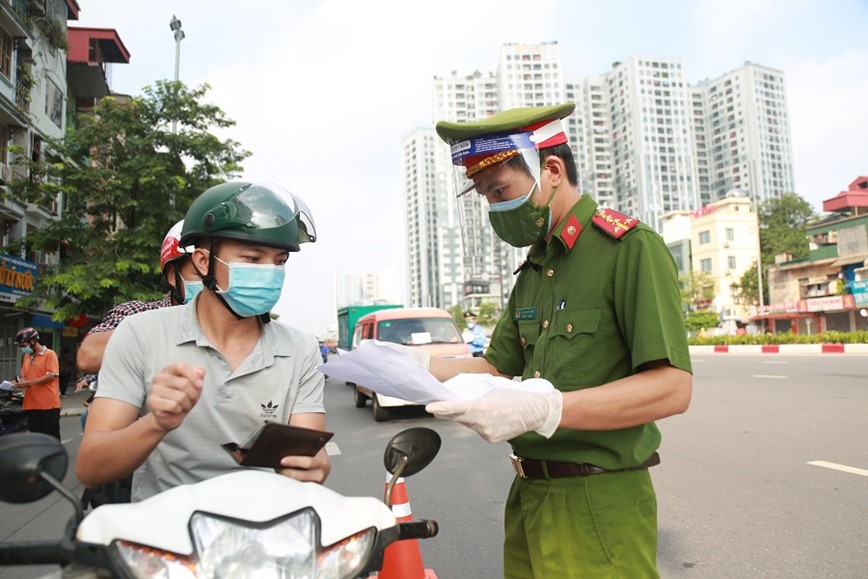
x,y
651,135
646,143
367,288
743,132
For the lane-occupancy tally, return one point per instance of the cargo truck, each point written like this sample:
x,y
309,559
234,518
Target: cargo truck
x,y
349,315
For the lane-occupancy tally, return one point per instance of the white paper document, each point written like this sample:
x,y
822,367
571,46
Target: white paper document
x,y
392,373
7,385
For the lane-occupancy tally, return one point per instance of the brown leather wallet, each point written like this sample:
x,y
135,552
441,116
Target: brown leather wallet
x,y
533,469
274,440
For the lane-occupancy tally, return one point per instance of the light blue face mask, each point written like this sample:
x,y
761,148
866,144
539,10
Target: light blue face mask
x,y
191,288
512,203
253,288
27,350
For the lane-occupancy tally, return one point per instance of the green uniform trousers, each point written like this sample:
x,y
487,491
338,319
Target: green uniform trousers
x,y
603,525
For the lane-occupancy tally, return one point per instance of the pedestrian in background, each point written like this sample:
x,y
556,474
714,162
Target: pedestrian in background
x,y
67,369
39,380
475,334
594,320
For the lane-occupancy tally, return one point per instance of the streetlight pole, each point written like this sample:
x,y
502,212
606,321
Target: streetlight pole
x,y
175,26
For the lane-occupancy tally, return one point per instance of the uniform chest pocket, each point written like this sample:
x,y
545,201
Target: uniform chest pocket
x,y
528,335
575,346
576,321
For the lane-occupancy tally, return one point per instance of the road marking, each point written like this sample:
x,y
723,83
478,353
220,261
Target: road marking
x,y
841,467
775,376
332,449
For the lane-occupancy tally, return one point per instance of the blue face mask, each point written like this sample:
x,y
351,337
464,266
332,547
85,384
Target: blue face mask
x,y
191,288
27,349
512,203
253,288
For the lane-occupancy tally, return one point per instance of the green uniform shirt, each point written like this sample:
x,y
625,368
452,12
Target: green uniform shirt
x,y
586,316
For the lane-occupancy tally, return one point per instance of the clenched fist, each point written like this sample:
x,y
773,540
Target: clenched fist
x,y
174,392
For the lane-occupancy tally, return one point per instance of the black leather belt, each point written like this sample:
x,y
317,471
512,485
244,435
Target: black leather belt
x,y
536,469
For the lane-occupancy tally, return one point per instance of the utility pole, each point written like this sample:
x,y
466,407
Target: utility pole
x,y
175,26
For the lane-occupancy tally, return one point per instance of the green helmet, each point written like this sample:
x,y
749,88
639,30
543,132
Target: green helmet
x,y
265,214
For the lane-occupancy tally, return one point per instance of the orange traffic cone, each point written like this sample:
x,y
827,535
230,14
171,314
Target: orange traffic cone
x,y
403,559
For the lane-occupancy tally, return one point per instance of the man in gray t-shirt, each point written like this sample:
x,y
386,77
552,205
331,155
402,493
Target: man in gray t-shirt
x,y
178,382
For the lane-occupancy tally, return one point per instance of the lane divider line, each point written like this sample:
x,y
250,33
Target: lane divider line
x,y
841,467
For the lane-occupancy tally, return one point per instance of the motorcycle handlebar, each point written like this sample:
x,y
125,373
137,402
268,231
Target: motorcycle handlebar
x,y
423,529
31,553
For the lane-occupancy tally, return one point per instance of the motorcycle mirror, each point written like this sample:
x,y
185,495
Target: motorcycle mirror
x,y
415,446
26,457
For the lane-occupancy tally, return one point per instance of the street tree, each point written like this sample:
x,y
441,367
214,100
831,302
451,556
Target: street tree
x,y
782,227
697,290
488,314
782,230
124,177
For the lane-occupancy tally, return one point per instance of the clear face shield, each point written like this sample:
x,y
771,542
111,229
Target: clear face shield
x,y
493,187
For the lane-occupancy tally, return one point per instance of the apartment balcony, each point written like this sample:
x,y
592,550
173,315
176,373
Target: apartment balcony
x,y
22,96
91,50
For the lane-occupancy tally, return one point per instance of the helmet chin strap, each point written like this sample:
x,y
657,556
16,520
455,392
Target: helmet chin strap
x,y
175,292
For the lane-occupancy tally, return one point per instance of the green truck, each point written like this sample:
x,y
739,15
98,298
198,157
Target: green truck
x,y
349,315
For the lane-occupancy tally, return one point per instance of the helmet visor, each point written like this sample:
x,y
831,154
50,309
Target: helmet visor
x,y
253,208
303,215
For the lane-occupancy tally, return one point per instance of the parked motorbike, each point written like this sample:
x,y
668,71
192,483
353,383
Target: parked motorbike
x,y
12,417
249,523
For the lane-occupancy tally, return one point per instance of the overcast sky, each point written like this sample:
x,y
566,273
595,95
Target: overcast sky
x,y
324,91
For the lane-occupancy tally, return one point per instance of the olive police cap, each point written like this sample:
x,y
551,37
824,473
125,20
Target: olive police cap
x,y
481,144
512,120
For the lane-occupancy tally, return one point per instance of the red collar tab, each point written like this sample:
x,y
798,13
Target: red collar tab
x,y
614,223
571,231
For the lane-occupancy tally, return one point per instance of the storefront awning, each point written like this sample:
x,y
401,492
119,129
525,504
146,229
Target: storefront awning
x,y
850,259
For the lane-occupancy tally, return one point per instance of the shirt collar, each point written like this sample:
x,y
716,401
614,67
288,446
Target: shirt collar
x,y
584,210
189,330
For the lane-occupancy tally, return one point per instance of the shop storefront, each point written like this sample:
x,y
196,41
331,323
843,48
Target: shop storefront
x,y
18,277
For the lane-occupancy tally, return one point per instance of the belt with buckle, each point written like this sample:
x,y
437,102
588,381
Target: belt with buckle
x,y
547,469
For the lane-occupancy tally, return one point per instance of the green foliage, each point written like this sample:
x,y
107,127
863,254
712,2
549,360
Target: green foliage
x,y
782,230
695,321
859,337
697,288
457,315
125,178
747,288
782,227
487,315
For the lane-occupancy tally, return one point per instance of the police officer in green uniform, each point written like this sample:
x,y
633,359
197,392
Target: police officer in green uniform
x,y
596,314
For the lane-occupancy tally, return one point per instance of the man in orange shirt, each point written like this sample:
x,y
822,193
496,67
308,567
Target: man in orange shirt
x,y
39,380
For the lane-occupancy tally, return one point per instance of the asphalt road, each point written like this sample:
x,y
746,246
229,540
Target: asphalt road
x,y
737,493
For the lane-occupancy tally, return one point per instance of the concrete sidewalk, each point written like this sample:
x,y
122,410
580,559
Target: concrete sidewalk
x,y
786,349
73,403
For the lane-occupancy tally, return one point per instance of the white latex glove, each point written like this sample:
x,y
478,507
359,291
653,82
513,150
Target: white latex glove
x,y
504,413
418,355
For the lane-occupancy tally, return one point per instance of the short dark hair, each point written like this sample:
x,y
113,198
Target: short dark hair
x,y
565,154
562,152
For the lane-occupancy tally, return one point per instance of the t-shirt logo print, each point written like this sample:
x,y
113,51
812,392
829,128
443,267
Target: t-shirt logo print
x,y
269,410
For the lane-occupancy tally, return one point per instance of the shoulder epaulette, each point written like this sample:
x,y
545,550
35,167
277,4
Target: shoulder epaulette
x,y
614,223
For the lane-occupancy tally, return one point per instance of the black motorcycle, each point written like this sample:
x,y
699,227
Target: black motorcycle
x,y
12,417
